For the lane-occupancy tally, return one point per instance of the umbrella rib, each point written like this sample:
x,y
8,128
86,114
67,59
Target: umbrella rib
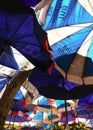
x,y
28,51
90,4
34,45
8,56
88,40
27,42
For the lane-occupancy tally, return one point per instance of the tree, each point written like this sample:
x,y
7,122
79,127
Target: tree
x,y
11,89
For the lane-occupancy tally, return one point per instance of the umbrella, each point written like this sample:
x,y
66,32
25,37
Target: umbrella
x,y
20,29
70,34
71,85
55,86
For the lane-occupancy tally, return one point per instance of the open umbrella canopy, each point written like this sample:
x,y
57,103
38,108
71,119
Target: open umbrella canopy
x,y
69,25
55,86
20,29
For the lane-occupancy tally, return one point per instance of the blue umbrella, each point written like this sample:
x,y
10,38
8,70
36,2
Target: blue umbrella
x,y
20,29
69,27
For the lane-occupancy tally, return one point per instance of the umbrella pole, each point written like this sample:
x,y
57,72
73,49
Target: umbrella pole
x,y
66,112
42,118
51,114
66,109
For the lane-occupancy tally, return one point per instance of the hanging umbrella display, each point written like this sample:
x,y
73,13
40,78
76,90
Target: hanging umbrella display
x,y
54,85
69,28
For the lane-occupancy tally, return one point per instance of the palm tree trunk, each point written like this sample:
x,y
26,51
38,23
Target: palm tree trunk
x,y
11,90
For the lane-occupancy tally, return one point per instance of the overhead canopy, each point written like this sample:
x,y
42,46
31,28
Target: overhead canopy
x,y
71,26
